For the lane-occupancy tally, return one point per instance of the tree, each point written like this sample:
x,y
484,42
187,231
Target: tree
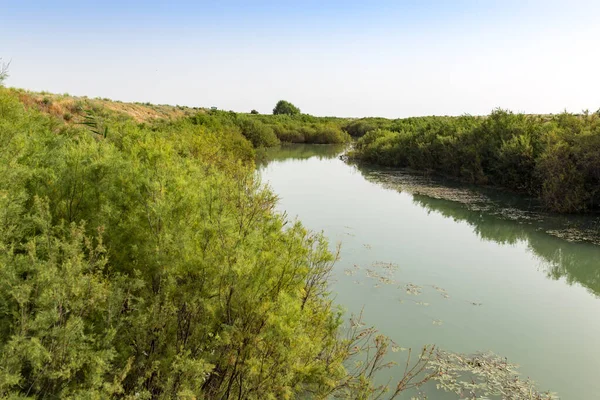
x,y
253,112
3,71
285,107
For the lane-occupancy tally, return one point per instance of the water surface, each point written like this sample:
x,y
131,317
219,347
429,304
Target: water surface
x,y
494,278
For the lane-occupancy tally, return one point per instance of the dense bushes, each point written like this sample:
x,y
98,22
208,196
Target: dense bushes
x,y
269,130
150,264
359,127
555,158
261,135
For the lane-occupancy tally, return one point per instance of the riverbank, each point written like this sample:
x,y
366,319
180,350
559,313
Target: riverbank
x,y
552,158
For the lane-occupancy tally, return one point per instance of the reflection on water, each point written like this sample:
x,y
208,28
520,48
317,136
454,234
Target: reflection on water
x,y
508,219
466,268
299,152
577,262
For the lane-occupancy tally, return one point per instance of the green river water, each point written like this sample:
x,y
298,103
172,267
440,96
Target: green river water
x,y
493,274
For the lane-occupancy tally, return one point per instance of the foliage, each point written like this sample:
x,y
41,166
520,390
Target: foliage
x,y
285,108
359,127
554,158
254,112
95,124
261,135
3,71
270,130
149,263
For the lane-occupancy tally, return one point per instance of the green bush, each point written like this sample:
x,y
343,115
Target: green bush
x,y
554,158
151,263
259,134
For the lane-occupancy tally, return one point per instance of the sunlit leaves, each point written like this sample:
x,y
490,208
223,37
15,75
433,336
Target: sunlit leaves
x,y
552,157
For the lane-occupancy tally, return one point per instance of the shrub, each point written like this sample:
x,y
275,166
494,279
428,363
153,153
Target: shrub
x,y
3,71
554,158
258,133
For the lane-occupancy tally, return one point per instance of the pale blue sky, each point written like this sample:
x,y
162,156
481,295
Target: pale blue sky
x,y
345,58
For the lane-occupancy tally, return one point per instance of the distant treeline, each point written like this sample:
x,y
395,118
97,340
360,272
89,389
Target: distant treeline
x,y
555,158
270,130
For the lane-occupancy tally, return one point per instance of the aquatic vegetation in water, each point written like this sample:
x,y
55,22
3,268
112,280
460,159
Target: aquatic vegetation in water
x,y
577,234
372,273
386,280
489,202
388,266
351,271
442,291
489,376
438,322
386,277
413,289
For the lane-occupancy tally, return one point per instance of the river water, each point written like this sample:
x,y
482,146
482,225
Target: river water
x,y
484,272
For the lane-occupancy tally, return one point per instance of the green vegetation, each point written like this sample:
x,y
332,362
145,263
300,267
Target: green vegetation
x,y
3,71
285,108
145,260
554,158
270,130
261,130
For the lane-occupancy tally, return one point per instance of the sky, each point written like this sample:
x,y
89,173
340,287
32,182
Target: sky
x,y
343,58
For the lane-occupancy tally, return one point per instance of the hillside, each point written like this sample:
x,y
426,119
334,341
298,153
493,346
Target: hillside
x,y
72,108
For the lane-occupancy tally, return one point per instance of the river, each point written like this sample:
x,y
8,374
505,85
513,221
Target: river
x,y
486,275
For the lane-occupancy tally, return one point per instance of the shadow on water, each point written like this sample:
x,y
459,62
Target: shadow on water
x,y
567,245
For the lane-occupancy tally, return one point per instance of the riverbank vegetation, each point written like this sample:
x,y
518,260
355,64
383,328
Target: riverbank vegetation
x,y
260,129
554,158
143,259
146,261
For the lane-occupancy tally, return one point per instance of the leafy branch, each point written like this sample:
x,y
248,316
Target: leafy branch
x,y
3,71
95,124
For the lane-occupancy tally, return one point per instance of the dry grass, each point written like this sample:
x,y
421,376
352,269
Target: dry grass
x,y
72,109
